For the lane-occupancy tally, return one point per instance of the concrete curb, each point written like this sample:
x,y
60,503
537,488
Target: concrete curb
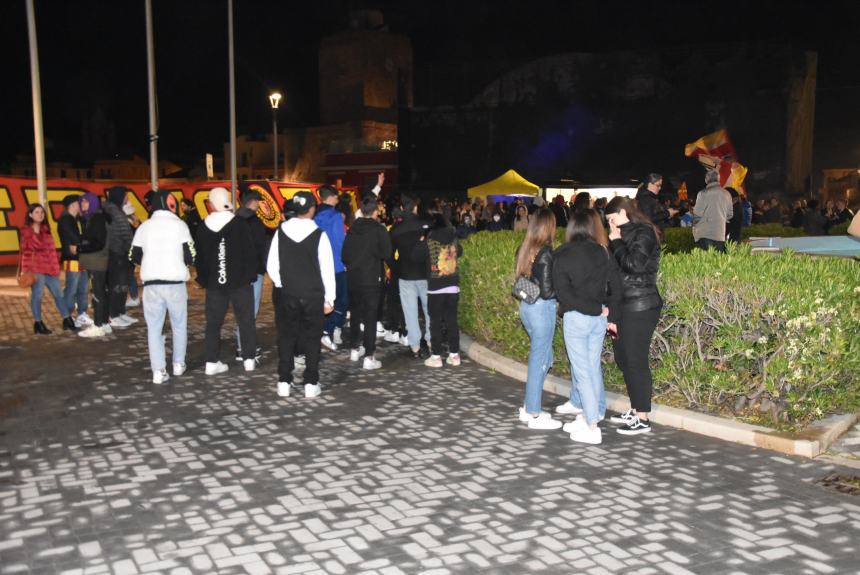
x,y
811,442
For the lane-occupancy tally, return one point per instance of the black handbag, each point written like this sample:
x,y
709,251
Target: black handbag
x,y
526,289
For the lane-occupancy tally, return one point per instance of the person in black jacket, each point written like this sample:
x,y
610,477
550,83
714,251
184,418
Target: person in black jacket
x,y
534,260
366,248
636,248
93,255
736,223
260,237
225,269
588,288
648,199
70,229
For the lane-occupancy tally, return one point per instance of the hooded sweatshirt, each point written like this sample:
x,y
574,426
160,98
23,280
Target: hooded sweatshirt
x,y
331,222
223,245
163,247
365,249
259,236
119,230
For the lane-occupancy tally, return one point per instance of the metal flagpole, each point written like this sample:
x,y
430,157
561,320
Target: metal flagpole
x,y
153,122
38,134
232,100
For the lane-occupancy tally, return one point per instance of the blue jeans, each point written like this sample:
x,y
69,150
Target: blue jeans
x,y
257,286
75,291
410,292
158,300
583,338
539,320
53,283
341,303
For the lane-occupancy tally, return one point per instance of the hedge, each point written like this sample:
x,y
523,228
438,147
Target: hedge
x,y
773,339
680,240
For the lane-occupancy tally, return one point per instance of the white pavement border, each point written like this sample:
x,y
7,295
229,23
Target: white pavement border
x,y
811,442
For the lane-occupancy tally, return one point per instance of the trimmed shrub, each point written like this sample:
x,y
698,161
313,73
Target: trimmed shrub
x,y
768,338
680,240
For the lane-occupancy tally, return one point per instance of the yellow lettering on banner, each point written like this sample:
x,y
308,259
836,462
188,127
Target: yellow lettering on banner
x,y
288,193
54,196
9,243
200,197
139,208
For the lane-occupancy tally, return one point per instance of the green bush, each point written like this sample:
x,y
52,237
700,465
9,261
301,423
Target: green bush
x,y
763,337
680,240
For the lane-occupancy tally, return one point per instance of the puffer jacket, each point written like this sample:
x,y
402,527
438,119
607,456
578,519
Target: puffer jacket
x,y
638,256
38,252
542,272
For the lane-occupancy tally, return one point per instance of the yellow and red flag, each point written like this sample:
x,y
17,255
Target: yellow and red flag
x,y
715,151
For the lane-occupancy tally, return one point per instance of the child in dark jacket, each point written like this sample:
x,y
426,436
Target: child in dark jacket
x,y
440,252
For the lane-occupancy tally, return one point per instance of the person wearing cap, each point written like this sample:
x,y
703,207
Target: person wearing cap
x,y
163,248
331,221
119,267
69,228
250,200
225,270
301,266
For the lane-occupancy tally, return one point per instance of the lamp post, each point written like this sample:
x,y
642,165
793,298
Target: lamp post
x,y
274,100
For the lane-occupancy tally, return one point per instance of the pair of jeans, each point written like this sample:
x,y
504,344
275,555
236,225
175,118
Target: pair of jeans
x,y
300,327
363,309
583,339
118,271
257,288
217,300
53,283
539,320
160,300
75,292
443,315
393,317
410,292
337,318
635,330
706,244
100,297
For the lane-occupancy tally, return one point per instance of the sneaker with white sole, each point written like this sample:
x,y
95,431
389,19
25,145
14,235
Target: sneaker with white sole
x,y
578,423
404,341
178,369
587,435
433,361
249,364
128,318
356,354
380,330
391,336
337,336
371,362
133,302
214,368
83,320
542,421
160,376
92,331
635,426
567,408
106,329
119,322
623,418
284,388
453,359
312,389
328,343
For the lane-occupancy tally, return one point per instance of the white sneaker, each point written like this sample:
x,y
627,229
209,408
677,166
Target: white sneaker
x,y
380,330
542,421
391,336
567,408
312,390
284,388
433,361
578,423
356,354
453,359
371,362
328,343
133,302
587,435
119,322
92,331
178,369
250,364
130,320
215,368
336,336
624,418
160,376
83,320
404,341
106,329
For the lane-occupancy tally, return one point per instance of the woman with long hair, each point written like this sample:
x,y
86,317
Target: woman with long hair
x,y
588,288
521,218
39,256
534,260
636,248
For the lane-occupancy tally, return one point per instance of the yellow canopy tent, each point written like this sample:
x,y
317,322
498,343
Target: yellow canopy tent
x,y
508,184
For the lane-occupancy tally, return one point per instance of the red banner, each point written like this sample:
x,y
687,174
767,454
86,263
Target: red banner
x,y
17,193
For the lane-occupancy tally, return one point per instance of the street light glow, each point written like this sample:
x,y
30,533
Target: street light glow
x,y
275,99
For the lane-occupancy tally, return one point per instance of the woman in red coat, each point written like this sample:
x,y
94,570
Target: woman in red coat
x,y
39,255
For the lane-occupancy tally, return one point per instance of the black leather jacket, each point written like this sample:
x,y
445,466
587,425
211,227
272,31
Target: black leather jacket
x,y
542,272
638,257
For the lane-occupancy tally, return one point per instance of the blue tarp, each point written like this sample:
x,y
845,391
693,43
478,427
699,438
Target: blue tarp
x,y
844,246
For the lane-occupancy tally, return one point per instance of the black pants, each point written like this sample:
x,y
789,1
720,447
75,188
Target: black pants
x,y
118,272
393,319
443,315
100,297
217,301
300,328
363,309
705,244
635,330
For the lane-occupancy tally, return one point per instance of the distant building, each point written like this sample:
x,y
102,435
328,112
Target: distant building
x,y
841,184
133,168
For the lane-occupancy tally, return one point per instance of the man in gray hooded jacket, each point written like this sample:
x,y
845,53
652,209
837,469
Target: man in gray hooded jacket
x,y
711,213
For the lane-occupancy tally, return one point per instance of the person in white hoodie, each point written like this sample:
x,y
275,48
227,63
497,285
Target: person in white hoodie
x,y
163,248
301,265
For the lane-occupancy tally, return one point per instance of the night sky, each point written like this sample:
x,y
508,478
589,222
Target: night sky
x,y
93,55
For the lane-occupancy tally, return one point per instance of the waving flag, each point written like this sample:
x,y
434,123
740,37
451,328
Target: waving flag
x,y
715,151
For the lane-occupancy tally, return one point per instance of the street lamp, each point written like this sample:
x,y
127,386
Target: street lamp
x,y
275,99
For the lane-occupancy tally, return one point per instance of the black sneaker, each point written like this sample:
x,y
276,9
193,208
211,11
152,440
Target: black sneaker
x,y
635,426
623,418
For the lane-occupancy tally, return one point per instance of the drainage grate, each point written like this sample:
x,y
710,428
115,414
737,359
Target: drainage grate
x,y
848,484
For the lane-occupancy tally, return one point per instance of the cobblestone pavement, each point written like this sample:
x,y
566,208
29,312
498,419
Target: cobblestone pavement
x,y
403,470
